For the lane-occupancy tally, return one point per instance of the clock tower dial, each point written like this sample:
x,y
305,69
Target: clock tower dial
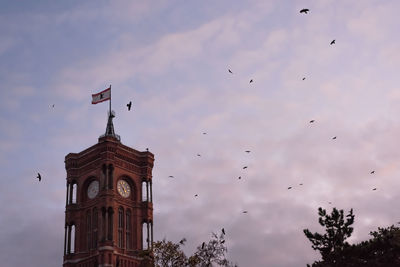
x,y
123,188
93,189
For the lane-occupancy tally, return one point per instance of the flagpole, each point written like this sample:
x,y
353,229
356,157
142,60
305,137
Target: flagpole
x,y
110,99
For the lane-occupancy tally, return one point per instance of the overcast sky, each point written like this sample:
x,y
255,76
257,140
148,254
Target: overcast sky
x,y
171,59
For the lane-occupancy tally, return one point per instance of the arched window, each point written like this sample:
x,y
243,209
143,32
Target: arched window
x,y
145,236
144,191
110,176
120,227
95,227
128,229
89,229
72,239
73,193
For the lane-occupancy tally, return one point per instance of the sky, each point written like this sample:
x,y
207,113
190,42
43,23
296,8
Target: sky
x,y
171,59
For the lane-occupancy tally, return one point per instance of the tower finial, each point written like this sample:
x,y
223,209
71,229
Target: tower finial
x,y
110,127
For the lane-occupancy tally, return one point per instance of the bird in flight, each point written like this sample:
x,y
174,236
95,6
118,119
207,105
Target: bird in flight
x,y
52,106
304,10
312,121
289,187
223,231
39,177
245,211
196,195
204,133
247,151
374,189
171,176
240,177
183,240
300,184
334,137
304,78
129,105
198,155
230,71
333,42
245,167
251,81
372,172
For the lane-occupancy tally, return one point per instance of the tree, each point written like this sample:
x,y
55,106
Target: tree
x,y
337,231
167,253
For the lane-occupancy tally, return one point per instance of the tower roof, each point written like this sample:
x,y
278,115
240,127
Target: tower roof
x,y
110,127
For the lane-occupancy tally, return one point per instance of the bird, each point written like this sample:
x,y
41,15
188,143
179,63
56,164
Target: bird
x,y
333,42
240,177
245,167
251,81
334,137
52,106
230,71
245,211
374,189
223,231
170,176
300,184
329,202
204,133
129,105
312,121
196,195
198,155
289,187
304,78
247,151
39,177
223,241
202,245
372,172
304,10
183,240
147,149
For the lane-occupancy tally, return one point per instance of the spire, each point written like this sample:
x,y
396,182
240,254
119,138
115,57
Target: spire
x,y
110,127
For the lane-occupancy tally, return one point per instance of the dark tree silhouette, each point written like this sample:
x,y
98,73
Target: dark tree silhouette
x,y
167,253
337,231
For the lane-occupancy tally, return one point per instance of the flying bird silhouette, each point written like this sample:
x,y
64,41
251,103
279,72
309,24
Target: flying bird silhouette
x,y
198,155
230,71
333,42
171,176
289,187
240,177
304,78
334,137
196,195
374,189
52,106
245,211
204,133
39,177
183,240
372,172
300,184
247,151
129,105
245,167
251,81
223,231
312,121
304,10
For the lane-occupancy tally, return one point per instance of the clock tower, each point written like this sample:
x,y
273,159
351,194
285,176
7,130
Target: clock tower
x,y
109,209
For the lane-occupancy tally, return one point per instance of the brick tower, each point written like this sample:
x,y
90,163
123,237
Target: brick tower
x,y
109,210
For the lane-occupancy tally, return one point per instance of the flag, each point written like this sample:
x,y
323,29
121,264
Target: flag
x,y
102,96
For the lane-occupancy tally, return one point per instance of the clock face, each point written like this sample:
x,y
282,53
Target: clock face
x,y
123,188
93,189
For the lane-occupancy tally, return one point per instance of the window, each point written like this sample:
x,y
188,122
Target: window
x,y
89,230
95,227
128,229
120,227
